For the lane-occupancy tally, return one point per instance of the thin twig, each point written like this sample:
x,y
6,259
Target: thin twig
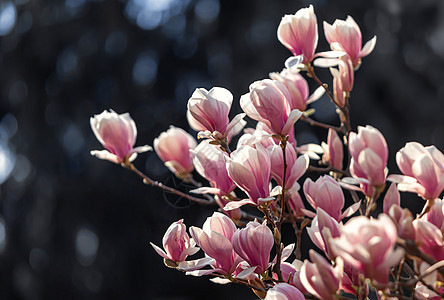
x,y
160,185
319,124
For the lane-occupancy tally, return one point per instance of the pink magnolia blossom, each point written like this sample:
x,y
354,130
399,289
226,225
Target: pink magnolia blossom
x,y
253,243
284,291
210,163
298,88
250,169
429,239
296,166
208,113
173,147
299,33
323,228
117,133
423,169
369,153
326,193
320,278
345,35
333,150
368,246
177,243
215,239
268,102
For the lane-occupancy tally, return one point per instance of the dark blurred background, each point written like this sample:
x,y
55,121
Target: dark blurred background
x,y
75,227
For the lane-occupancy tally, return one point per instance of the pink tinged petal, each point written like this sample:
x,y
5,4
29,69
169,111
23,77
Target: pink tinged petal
x,y
188,252
236,125
392,197
221,224
373,166
423,170
330,278
317,94
159,251
237,204
106,155
350,210
368,47
284,291
335,149
246,273
195,264
206,190
218,247
199,273
294,115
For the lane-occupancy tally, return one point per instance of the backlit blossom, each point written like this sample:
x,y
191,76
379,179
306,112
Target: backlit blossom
x,y
117,133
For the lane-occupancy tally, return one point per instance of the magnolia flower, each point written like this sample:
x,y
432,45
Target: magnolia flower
x,y
253,243
346,36
210,163
369,153
319,278
215,239
299,33
268,102
423,169
429,238
250,168
173,147
117,133
298,88
208,113
326,193
284,291
177,243
368,246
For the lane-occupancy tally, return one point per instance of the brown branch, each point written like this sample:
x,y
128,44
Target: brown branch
x,y
149,181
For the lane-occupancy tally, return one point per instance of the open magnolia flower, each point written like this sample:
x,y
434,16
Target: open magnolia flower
x,y
117,133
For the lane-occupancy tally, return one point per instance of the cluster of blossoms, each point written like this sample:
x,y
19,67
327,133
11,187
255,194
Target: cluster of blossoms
x,y
395,254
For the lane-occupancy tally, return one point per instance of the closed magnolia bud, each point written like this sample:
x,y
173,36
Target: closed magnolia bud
x,y
253,243
117,133
173,147
369,153
268,102
299,33
319,277
325,193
